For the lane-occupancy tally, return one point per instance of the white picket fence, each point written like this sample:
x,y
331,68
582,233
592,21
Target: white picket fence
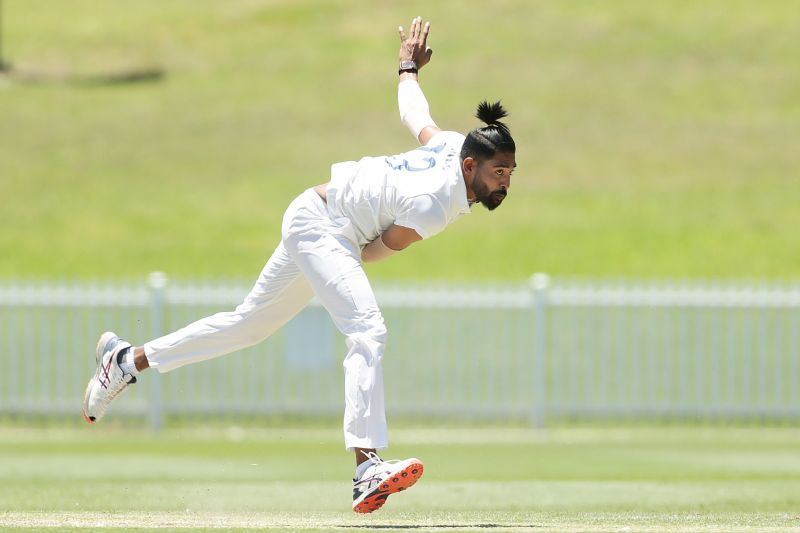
x,y
536,351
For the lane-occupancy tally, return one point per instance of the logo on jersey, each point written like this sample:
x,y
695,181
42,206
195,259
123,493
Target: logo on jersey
x,y
415,160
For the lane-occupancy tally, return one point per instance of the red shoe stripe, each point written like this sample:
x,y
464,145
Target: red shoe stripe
x,y
400,481
106,369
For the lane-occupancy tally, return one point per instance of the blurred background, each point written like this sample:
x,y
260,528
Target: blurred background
x,y
643,270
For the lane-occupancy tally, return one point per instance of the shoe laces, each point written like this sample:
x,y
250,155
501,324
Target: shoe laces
x,y
113,382
376,461
372,456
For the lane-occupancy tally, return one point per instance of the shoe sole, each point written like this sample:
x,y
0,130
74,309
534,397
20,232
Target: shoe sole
x,y
400,481
98,354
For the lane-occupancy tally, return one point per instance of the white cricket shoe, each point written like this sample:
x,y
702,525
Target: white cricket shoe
x,y
382,479
108,381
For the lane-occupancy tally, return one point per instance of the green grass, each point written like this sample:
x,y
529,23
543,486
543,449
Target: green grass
x,y
504,479
655,139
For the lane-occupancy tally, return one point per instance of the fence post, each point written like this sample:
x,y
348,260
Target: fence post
x,y
158,284
539,284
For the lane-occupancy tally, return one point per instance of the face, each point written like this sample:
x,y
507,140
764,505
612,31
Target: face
x,y
492,178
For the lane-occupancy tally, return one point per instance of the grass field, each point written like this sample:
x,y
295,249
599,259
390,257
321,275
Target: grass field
x,y
655,139
479,479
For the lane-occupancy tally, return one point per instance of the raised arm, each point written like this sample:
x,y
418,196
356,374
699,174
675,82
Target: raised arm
x,y
415,54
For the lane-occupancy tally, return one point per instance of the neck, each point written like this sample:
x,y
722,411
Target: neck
x,y
471,199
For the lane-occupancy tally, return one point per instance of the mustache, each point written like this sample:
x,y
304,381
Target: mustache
x,y
500,192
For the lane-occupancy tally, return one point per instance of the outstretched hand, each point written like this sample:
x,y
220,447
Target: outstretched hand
x,y
415,46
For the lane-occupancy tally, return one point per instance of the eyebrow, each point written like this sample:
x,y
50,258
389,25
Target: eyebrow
x,y
505,165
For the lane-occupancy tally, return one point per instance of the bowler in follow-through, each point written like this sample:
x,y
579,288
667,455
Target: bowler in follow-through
x,y
369,210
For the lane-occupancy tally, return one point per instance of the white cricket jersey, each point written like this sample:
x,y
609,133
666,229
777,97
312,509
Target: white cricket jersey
x,y
422,189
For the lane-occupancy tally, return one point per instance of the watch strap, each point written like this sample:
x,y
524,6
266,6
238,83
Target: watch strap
x,y
408,66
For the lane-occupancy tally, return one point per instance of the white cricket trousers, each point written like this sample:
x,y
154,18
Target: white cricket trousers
x,y
316,255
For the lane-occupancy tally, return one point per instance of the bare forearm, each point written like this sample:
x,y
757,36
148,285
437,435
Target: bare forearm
x,y
376,251
391,241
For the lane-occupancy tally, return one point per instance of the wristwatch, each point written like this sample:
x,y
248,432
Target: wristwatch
x,y
408,66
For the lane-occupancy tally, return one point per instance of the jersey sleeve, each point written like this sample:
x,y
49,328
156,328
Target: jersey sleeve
x,y
424,214
449,137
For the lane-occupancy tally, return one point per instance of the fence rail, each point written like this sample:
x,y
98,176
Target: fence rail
x,y
533,351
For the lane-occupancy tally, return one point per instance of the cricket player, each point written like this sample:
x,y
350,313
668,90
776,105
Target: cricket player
x,y
369,210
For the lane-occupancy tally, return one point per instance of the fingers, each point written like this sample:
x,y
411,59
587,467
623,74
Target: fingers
x,y
416,31
420,31
425,31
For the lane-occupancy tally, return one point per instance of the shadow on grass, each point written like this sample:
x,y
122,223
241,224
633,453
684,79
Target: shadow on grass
x,y
438,526
38,76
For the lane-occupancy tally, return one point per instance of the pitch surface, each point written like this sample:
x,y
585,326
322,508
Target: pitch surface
x,y
571,479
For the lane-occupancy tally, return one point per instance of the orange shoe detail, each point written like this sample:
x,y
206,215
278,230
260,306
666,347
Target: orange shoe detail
x,y
399,481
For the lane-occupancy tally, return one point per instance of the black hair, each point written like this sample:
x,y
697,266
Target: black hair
x,y
483,143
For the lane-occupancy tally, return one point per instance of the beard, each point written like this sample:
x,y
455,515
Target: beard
x,y
489,199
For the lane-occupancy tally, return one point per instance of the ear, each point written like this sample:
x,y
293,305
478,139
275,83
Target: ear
x,y
468,166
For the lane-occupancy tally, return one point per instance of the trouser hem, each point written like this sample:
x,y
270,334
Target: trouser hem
x,y
351,444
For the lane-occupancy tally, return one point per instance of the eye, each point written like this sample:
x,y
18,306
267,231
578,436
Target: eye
x,y
499,171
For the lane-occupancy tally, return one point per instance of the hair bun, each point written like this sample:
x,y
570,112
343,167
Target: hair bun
x,y
483,143
491,114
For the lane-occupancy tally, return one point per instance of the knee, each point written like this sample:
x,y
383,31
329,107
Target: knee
x,y
242,327
373,333
378,334
374,328
251,338
370,339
